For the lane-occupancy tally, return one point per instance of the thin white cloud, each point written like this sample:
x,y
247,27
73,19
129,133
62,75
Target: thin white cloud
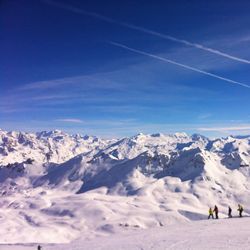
x,y
52,97
40,85
225,129
204,116
97,80
70,120
244,39
104,123
179,64
147,31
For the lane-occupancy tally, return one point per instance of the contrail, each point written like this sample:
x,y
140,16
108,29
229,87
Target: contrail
x,y
185,42
179,64
147,31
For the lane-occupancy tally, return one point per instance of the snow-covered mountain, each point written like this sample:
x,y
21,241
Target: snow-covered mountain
x,y
55,159
53,146
53,180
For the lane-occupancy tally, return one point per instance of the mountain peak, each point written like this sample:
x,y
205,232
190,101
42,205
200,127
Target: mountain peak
x,y
180,134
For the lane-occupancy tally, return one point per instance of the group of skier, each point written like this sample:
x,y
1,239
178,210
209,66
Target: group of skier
x,y
215,211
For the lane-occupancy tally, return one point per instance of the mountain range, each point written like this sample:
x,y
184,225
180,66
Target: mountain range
x,y
100,185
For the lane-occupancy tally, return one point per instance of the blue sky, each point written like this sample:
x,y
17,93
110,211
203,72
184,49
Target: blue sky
x,y
117,68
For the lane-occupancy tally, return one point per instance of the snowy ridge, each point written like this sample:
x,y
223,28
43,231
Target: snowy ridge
x,y
89,186
53,146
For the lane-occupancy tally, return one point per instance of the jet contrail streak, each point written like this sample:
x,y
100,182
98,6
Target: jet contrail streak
x,y
185,42
148,31
178,64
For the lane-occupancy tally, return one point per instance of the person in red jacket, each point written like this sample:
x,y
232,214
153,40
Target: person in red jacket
x,y
216,211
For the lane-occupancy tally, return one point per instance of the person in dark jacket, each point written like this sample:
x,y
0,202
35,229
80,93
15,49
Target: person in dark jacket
x,y
39,247
229,212
240,209
216,211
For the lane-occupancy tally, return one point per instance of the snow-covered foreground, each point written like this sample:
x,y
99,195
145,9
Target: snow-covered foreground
x,y
205,234
104,221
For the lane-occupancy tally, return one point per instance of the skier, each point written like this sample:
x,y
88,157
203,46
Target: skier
x,y
229,212
39,247
216,211
210,213
240,209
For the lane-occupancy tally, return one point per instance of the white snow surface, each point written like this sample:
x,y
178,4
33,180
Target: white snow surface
x,y
143,192
217,234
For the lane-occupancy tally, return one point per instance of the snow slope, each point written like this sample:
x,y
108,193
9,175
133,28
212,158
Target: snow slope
x,y
221,234
89,188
